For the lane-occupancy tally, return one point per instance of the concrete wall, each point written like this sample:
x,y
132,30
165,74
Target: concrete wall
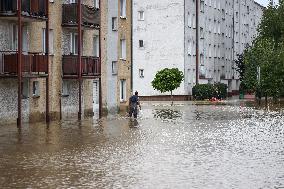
x,y
162,31
124,66
112,55
111,49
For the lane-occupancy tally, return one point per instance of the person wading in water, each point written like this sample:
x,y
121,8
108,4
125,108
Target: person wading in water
x,y
133,105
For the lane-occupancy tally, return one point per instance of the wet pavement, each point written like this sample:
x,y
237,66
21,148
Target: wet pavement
x,y
218,145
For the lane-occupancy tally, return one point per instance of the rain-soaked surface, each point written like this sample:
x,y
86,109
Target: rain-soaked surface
x,y
231,145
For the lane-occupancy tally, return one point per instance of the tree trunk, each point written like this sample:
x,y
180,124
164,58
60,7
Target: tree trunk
x,y
172,98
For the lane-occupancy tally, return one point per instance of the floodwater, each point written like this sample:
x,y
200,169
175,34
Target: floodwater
x,y
228,145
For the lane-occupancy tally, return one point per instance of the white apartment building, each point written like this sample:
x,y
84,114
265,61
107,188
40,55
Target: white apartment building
x,y
165,35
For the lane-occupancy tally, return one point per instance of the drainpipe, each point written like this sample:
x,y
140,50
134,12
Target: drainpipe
x,y
19,57
100,63
131,53
80,43
197,41
47,59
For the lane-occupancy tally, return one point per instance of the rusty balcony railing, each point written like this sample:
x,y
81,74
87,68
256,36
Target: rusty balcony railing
x,y
90,66
32,8
33,64
90,16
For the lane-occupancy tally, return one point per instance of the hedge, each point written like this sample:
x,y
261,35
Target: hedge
x,y
207,91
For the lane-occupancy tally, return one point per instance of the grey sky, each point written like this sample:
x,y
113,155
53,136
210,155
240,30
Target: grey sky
x,y
264,2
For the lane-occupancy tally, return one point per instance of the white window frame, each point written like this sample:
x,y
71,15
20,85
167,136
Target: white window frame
x,y
65,88
141,15
123,49
96,46
122,95
50,40
141,73
36,89
97,4
114,67
73,47
114,23
122,8
14,37
141,44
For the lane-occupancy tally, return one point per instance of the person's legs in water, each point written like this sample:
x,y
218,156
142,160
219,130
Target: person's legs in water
x,y
135,112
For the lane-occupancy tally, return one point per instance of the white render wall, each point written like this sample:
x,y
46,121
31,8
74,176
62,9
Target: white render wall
x,y
225,28
162,31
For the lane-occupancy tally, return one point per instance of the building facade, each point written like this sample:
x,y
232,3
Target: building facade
x,y
116,54
56,68
201,38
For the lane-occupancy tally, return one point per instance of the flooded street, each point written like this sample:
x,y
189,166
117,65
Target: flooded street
x,y
230,145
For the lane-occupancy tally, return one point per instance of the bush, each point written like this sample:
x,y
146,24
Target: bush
x,y
207,91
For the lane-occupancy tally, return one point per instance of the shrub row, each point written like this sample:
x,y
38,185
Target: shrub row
x,y
208,91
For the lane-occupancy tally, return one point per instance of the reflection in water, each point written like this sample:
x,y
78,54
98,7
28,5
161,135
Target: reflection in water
x,y
167,114
202,146
133,123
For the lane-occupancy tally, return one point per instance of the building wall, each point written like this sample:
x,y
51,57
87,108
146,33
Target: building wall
x,y
223,34
162,31
111,52
34,107
112,55
124,65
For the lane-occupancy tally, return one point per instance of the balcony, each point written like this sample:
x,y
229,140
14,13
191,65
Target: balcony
x,y
90,66
31,9
32,64
90,16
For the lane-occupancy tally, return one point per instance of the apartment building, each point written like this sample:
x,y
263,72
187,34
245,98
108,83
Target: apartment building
x,y
55,76
116,54
201,38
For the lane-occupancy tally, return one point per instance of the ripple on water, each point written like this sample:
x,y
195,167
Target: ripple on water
x,y
182,146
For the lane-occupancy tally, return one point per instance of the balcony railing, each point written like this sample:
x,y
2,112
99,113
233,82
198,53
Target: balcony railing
x,y
33,64
90,66
90,15
30,8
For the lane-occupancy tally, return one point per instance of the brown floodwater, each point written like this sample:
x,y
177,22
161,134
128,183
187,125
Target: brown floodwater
x,y
188,145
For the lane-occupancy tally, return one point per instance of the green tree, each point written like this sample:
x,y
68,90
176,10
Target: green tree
x,y
266,54
167,80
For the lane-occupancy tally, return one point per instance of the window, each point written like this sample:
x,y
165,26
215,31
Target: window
x,y
74,43
43,41
114,23
141,43
72,1
35,88
114,67
65,88
189,20
140,15
96,48
141,73
122,90
193,21
51,42
201,6
50,39
123,49
14,37
201,33
25,88
97,4
123,8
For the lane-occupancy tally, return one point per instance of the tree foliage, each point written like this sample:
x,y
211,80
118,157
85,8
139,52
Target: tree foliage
x,y
267,54
167,80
